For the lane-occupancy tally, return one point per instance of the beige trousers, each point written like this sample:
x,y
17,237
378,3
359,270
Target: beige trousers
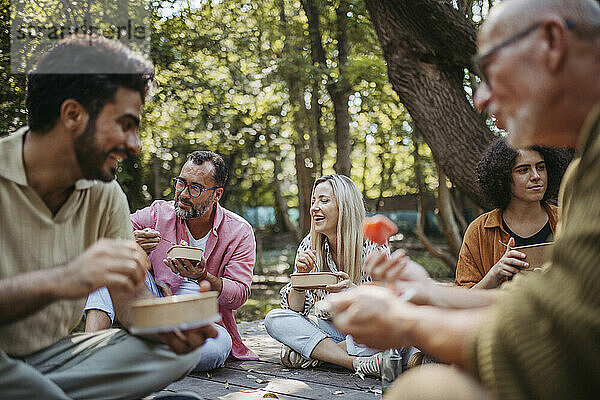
x,y
109,364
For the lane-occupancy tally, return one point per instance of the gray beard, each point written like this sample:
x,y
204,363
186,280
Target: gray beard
x,y
191,213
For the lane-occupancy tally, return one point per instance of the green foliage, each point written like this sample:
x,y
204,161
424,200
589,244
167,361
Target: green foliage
x,y
222,73
12,87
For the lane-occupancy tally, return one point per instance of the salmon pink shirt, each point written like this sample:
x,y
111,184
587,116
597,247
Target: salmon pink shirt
x,y
230,254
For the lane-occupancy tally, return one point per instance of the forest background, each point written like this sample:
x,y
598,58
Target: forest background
x,y
289,90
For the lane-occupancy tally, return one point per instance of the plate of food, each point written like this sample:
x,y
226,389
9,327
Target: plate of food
x,y
165,314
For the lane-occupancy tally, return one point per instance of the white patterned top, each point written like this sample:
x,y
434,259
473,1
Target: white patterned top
x,y
312,296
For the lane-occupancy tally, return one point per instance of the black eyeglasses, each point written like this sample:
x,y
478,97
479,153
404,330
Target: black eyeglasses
x,y
194,190
479,60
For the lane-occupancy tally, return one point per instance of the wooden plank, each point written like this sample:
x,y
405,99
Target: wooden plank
x,y
209,389
316,388
256,338
255,379
335,376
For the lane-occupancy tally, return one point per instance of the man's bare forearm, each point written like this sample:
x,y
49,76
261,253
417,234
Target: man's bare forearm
x,y
444,334
461,297
25,294
122,302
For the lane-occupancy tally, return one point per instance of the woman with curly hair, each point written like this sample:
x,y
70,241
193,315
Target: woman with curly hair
x,y
522,185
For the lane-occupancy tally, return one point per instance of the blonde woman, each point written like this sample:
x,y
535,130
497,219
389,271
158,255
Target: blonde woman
x,y
335,243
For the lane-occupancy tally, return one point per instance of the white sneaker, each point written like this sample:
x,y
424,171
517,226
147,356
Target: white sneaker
x,y
292,359
370,365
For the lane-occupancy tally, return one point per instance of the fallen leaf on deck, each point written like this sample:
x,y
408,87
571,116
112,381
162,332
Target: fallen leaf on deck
x,y
258,380
208,375
226,385
375,390
270,396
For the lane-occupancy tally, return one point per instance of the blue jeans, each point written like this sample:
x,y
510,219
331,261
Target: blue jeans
x,y
303,334
214,352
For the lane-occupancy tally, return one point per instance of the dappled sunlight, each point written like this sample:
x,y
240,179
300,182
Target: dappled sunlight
x,y
271,390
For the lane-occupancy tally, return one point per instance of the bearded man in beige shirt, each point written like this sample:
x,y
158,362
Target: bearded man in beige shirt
x,y
65,231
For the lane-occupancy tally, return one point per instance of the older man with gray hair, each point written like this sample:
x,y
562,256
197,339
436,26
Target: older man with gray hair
x,y
539,61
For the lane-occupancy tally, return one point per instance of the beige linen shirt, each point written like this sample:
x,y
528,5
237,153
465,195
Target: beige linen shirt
x,y
32,239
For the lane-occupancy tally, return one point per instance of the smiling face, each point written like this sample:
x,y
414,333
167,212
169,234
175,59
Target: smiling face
x,y
324,210
186,206
112,137
529,176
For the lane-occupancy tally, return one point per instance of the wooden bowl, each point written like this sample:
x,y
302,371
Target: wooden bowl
x,y
188,252
535,254
164,314
313,280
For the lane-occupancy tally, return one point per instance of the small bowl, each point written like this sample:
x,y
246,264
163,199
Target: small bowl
x,y
313,280
164,314
535,254
187,252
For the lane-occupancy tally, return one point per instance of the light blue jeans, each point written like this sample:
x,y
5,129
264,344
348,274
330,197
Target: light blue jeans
x,y
303,334
214,352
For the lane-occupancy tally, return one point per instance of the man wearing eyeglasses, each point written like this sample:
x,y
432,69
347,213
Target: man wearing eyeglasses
x,y
538,337
196,218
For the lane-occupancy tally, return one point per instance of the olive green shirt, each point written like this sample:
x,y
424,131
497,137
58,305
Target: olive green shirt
x,y
31,239
542,340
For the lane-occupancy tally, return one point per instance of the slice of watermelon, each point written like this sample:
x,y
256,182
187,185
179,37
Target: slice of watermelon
x,y
378,228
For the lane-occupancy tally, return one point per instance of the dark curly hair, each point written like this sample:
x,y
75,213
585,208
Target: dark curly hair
x,y
494,171
86,68
220,174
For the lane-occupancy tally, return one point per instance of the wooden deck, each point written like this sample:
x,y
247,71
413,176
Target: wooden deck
x,y
267,378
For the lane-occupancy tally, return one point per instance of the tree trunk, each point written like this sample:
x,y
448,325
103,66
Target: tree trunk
x,y
379,203
448,222
300,118
364,167
156,170
317,140
339,90
280,201
419,231
458,210
304,188
427,44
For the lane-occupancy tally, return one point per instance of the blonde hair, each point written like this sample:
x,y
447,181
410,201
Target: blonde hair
x,y
349,236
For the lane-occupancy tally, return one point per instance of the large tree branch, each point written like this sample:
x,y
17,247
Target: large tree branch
x,y
427,44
